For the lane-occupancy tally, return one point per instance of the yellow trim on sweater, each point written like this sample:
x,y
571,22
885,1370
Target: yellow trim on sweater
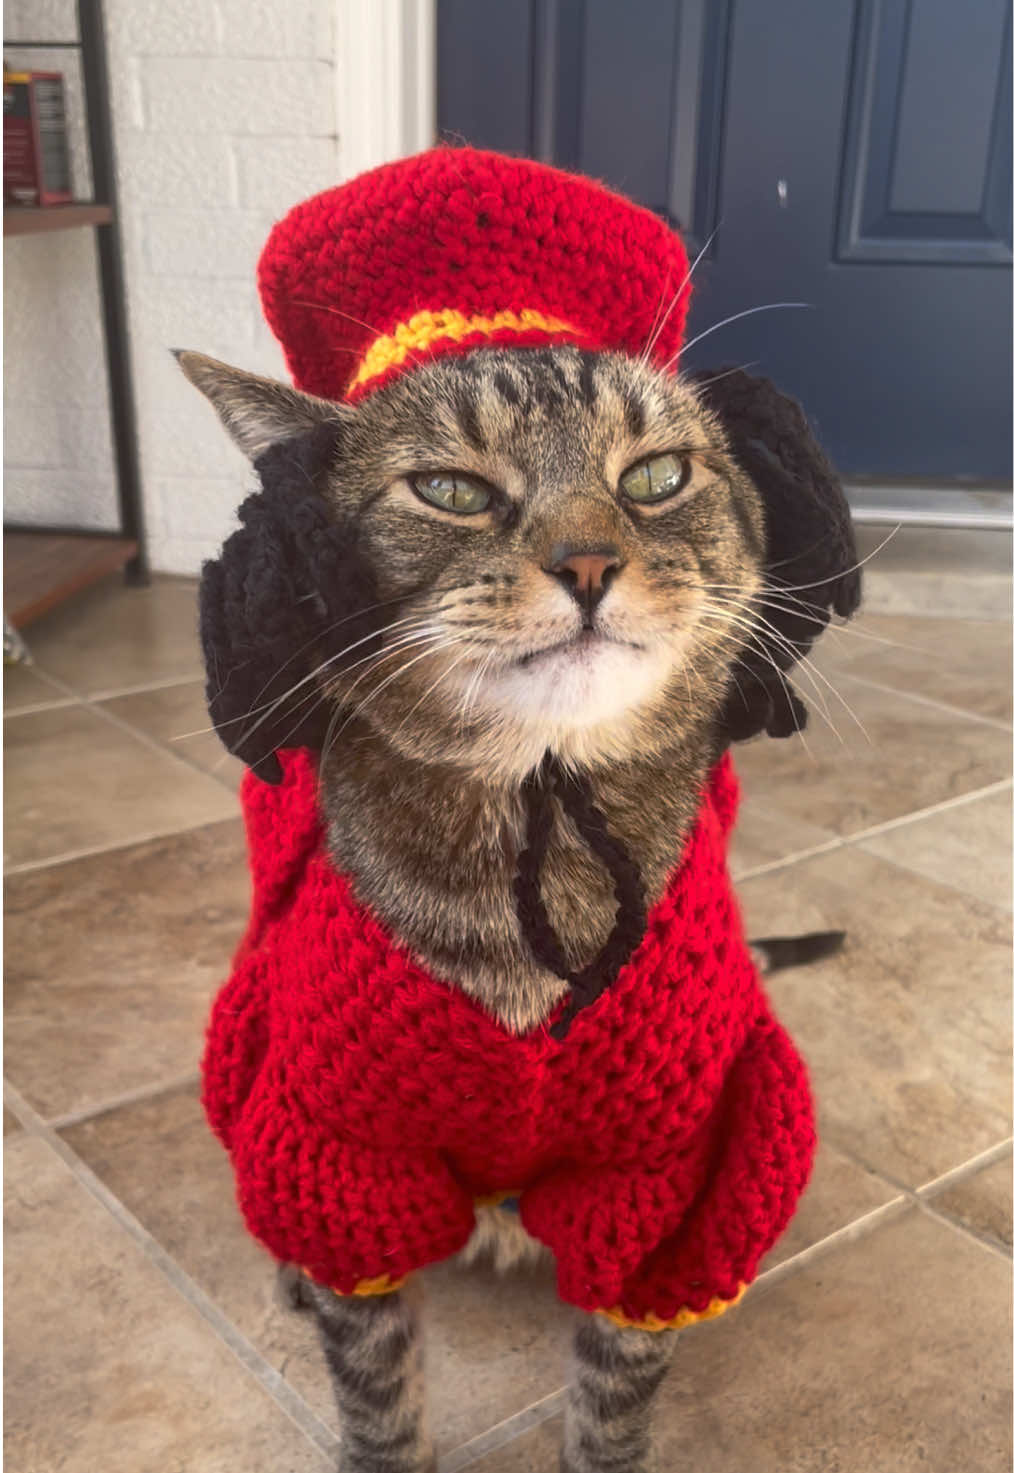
x,y
426,328
680,1322
382,1284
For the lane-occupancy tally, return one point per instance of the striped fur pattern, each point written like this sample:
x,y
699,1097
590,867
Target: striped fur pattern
x,y
373,1349
478,677
616,1376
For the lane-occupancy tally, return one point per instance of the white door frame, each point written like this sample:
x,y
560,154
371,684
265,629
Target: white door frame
x,y
385,80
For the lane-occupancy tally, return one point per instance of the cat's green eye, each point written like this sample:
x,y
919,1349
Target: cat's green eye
x,y
655,479
453,493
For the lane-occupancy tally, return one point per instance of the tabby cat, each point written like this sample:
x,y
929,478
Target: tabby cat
x,y
567,552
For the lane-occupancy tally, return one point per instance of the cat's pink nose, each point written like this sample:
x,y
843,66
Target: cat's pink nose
x,y
586,575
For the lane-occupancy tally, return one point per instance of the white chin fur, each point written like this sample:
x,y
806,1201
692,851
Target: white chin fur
x,y
575,687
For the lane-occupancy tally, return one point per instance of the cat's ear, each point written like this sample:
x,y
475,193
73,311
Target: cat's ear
x,y
256,412
811,568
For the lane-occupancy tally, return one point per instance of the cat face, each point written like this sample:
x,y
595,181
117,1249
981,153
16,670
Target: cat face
x,y
560,520
566,551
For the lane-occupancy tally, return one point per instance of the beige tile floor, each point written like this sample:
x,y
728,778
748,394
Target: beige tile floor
x,y
141,1329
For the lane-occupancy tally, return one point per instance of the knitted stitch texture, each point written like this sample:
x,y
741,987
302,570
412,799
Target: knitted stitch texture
x,y
458,248
659,1150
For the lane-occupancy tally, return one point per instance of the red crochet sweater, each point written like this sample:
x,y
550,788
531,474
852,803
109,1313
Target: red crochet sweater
x,y
658,1151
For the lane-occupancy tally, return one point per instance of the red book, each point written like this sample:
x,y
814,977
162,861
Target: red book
x,y
36,156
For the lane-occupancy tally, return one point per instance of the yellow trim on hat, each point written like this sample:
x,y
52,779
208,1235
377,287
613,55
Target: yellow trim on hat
x,y
680,1322
426,328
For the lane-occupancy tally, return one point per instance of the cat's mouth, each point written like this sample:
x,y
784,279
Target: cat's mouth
x,y
585,643
592,679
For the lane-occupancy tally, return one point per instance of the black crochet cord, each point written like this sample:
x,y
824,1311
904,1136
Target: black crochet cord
x,y
810,554
575,796
810,570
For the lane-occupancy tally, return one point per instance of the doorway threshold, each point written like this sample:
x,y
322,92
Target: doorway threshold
x,y
948,572
982,508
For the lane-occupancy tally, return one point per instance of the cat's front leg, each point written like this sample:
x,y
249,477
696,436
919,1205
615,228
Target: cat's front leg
x,y
373,1347
617,1373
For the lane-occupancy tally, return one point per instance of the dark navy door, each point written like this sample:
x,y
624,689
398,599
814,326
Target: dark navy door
x,y
854,155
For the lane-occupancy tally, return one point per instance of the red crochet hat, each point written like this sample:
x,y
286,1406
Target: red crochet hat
x,y
455,248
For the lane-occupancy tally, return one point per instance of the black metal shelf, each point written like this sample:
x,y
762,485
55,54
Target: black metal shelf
x,y
100,214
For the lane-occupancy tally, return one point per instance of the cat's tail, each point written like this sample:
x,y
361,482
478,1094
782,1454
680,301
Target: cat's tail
x,y
774,953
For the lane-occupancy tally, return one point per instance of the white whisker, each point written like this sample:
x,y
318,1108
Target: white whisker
x,y
431,688
740,368
751,630
750,622
767,307
273,706
784,683
802,608
810,669
447,644
656,327
682,288
337,312
473,687
797,658
320,634
267,705
843,573
406,640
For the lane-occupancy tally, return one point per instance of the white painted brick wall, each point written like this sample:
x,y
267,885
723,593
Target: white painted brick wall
x,y
58,464
224,117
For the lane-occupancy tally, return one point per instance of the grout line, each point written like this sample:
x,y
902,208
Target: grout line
x,y
853,1156
920,1197
503,1432
129,1097
68,693
90,697
967,1168
170,749
959,800
94,702
858,1228
36,706
148,837
921,700
843,841
114,693
249,1357
788,859
142,736
982,1240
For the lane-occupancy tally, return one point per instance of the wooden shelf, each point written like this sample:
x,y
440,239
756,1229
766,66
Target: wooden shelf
x,y
42,569
34,219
